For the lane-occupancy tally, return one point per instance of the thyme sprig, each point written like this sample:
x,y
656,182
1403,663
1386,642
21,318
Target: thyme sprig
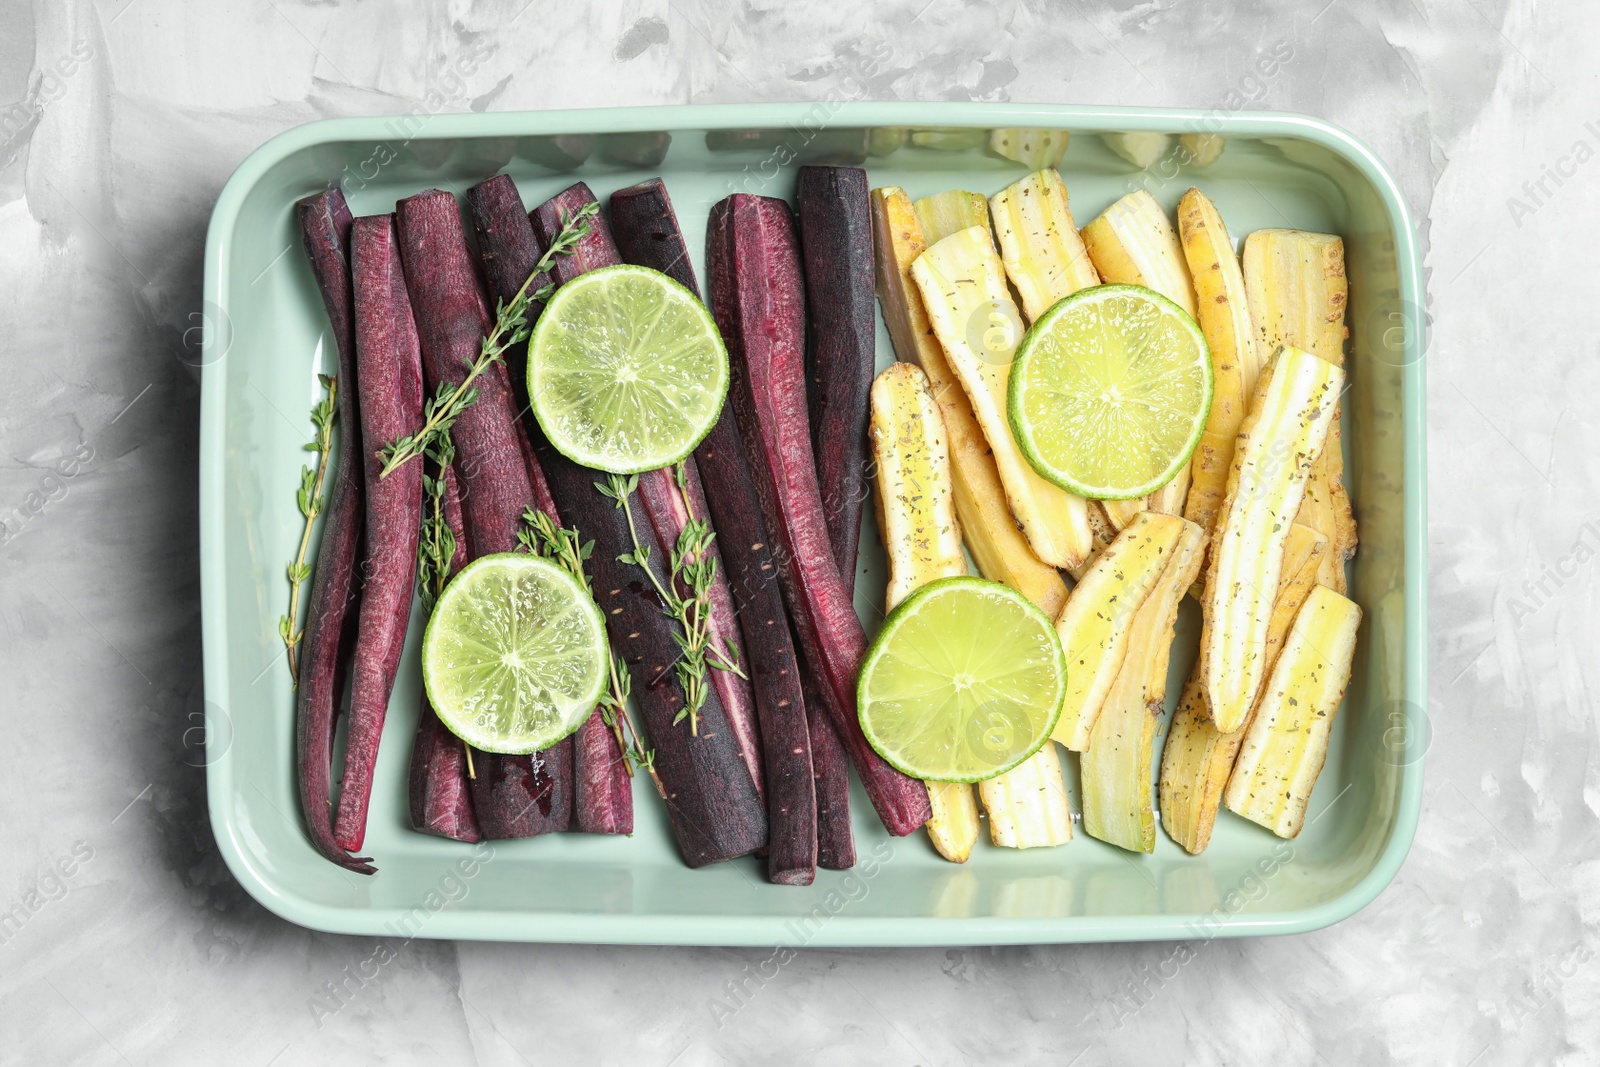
x,y
441,410
691,568
568,549
436,547
310,499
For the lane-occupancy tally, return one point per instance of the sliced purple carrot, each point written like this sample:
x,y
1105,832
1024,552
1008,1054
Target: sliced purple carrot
x,y
768,390
504,248
667,507
597,248
389,370
647,233
712,802
792,803
830,768
830,785
335,594
836,242
830,774
836,245
523,796
513,796
526,795
670,508
452,319
440,791
602,799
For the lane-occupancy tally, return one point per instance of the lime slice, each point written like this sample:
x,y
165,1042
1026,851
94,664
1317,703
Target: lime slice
x,y
626,370
1110,391
514,657
964,682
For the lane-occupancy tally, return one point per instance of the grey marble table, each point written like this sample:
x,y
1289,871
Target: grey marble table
x,y
143,949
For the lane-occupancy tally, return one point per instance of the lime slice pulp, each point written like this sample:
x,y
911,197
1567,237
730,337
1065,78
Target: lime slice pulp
x,y
626,370
964,682
514,656
1110,392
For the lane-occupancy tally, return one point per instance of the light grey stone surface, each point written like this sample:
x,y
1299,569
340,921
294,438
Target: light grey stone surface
x,y
1481,952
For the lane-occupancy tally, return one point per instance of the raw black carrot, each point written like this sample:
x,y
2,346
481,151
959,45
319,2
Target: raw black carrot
x,y
830,767
526,795
836,247
523,796
836,243
335,594
792,801
513,796
759,259
830,786
666,506
389,370
602,799
452,319
597,248
438,787
712,802
440,792
647,233
504,235
670,509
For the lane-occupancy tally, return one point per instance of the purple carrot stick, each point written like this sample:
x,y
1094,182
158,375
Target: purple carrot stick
x,y
711,799
335,594
670,508
440,791
792,803
602,801
597,248
647,233
836,841
666,507
768,392
513,796
505,250
830,786
389,368
452,320
830,769
836,241
498,197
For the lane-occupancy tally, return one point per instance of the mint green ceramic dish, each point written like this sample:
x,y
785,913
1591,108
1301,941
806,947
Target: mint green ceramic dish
x,y
268,339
